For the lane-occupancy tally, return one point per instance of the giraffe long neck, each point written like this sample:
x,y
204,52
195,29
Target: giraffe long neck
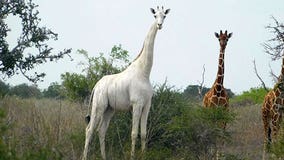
x,y
220,74
145,58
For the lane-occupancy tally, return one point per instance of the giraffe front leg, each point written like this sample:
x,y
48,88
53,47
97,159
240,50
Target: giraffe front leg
x,y
137,109
143,125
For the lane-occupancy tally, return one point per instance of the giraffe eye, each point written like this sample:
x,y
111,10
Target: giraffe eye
x,y
155,16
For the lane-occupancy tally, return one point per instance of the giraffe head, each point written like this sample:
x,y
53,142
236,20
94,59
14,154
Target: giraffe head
x,y
223,38
160,15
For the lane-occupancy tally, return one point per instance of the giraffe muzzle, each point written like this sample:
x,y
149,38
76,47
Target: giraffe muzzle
x,y
160,26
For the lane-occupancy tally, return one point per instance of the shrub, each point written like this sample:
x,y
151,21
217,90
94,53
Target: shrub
x,y
4,89
5,152
253,96
199,130
25,91
278,146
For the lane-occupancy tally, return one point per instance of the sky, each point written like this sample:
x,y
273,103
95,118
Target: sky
x,y
184,44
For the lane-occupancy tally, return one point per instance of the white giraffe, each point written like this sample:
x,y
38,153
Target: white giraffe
x,y
130,89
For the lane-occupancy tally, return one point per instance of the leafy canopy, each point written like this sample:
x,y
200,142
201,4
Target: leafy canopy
x,y
79,86
31,48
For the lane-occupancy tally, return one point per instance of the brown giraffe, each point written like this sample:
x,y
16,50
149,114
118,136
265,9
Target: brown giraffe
x,y
272,108
217,95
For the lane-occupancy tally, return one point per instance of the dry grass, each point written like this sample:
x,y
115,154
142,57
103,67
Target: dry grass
x,y
58,126
247,133
44,126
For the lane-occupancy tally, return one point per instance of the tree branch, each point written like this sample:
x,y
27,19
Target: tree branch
x,y
262,82
201,84
273,75
275,45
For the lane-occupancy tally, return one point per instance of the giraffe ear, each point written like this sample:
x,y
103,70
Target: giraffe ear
x,y
216,35
167,11
152,10
230,35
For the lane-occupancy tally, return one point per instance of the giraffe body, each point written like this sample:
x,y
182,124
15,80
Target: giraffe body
x,y
128,90
217,95
272,108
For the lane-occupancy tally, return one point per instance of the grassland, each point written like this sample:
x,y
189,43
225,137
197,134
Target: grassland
x,y
54,129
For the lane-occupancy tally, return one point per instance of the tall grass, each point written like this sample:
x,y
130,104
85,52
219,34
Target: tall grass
x,y
247,133
55,129
44,129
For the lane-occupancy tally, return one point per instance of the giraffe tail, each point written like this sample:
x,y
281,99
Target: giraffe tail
x,y
88,117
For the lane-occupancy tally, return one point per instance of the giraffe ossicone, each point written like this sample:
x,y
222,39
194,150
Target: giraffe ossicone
x,y
130,89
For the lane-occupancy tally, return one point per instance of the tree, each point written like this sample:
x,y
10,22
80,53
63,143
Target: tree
x,y
4,89
54,90
25,91
32,48
192,92
275,45
79,86
75,86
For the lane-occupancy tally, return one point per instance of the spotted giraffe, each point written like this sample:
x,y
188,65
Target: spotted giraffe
x,y
273,107
217,95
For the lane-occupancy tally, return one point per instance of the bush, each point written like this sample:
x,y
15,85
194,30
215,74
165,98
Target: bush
x,y
253,96
4,89
5,152
199,130
278,146
54,90
25,91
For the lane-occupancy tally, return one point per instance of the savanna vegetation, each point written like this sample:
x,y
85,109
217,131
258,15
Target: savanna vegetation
x,y
54,128
49,124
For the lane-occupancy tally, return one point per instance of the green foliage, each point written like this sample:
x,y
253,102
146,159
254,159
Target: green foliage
x,y
79,86
77,139
253,96
76,86
97,67
42,154
159,153
48,129
4,89
3,148
198,130
166,104
5,152
18,59
278,146
25,91
192,92
54,90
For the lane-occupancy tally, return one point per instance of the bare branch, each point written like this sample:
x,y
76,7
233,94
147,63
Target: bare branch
x,y
275,45
273,75
201,84
255,71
